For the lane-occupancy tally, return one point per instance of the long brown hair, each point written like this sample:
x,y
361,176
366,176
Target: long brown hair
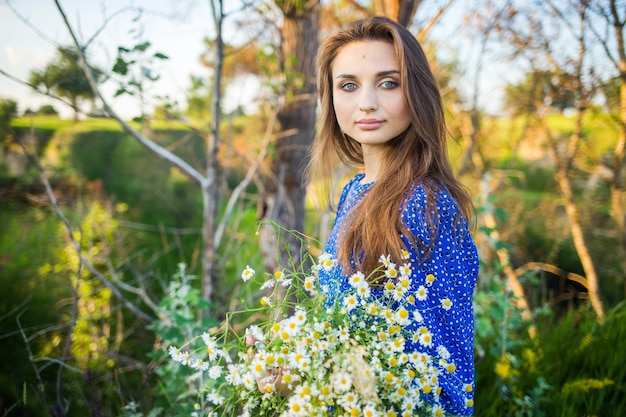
x,y
419,155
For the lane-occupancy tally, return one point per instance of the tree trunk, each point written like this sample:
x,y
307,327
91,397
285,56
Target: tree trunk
x,y
209,186
283,201
563,162
617,184
402,11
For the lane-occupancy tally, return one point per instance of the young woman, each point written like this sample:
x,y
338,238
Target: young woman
x,y
381,112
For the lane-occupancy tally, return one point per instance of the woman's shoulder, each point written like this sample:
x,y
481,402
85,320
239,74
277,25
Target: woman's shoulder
x,y
418,195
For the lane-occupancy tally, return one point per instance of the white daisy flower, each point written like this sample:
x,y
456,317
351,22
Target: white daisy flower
x,y
386,260
421,293
443,352
215,372
247,273
342,381
357,279
326,261
265,301
215,398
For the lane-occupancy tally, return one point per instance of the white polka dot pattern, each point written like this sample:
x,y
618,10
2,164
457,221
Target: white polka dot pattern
x,y
443,285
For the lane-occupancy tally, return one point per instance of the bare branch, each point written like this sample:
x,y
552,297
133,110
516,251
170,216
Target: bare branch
x,y
70,233
34,87
433,21
219,233
160,152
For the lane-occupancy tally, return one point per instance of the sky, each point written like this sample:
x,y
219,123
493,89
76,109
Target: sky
x,y
175,28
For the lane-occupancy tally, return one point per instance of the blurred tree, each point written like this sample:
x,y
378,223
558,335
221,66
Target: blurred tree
x,y
562,75
8,110
47,109
64,77
283,200
612,15
554,90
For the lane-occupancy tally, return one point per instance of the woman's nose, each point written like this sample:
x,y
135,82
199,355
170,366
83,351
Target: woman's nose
x,y
367,102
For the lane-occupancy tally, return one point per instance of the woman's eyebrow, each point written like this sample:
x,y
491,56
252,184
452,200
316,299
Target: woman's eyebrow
x,y
378,74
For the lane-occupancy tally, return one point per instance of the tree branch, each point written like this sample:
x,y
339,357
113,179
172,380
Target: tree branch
x,y
159,151
70,234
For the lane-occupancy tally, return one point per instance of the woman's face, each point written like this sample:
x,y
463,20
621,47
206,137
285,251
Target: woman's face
x,y
367,97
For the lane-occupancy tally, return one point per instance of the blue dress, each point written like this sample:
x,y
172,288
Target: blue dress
x,y
449,272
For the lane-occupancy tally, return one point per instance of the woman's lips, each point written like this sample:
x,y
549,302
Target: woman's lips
x,y
369,124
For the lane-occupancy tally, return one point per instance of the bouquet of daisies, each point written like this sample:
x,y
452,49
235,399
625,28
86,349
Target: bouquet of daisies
x,y
340,357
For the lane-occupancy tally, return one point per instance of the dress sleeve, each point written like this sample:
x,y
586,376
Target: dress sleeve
x,y
443,280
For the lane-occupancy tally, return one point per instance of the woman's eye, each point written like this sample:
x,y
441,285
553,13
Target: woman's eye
x,y
389,84
348,86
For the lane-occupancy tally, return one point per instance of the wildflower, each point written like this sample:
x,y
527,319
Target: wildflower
x,y
185,357
450,367
405,254
234,376
211,346
299,360
309,284
270,283
446,303
247,273
426,339
370,411
357,279
443,352
391,271
199,364
297,407
350,302
349,399
349,354
438,411
299,316
249,381
430,278
175,353
344,334
214,398
303,392
404,282
397,344
342,381
257,367
386,261
326,261
417,317
422,293
215,372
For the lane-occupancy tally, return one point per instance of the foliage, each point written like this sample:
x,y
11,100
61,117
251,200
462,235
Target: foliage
x,y
27,242
571,367
135,65
348,352
47,109
556,90
64,77
8,110
508,382
182,313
